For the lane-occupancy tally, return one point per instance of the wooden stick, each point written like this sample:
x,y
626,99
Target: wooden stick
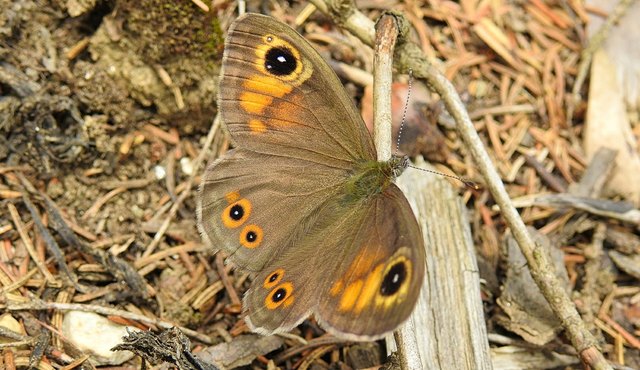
x,y
17,221
386,35
447,330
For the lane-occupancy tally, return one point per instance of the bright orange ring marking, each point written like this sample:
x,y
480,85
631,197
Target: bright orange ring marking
x,y
229,222
257,230
278,273
303,70
403,290
287,299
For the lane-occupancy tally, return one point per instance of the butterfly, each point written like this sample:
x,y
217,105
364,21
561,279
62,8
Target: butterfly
x,y
301,201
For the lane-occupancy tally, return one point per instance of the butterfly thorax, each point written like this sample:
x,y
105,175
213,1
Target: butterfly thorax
x,y
373,177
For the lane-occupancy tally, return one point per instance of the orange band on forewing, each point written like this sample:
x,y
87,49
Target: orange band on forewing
x,y
350,295
254,102
368,257
267,85
257,126
278,123
370,288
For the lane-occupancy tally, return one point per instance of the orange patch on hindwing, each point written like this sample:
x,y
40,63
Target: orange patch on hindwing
x,y
370,280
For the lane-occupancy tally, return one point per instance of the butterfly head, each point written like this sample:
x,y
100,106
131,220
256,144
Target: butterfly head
x,y
398,164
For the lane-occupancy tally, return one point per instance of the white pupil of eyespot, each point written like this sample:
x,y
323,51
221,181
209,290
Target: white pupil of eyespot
x,y
282,59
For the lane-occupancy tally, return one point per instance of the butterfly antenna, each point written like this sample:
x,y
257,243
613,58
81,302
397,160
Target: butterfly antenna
x,y
467,183
404,113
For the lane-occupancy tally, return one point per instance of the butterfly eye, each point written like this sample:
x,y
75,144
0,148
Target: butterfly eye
x,y
393,279
251,236
280,61
273,278
282,294
236,213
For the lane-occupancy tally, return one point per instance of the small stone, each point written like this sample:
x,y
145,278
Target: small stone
x,y
160,172
186,165
96,335
9,322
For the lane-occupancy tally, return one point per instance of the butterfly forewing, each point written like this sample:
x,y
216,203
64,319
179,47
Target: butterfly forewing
x,y
279,97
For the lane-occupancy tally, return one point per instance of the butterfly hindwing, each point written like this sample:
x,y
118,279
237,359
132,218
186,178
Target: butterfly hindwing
x,y
358,270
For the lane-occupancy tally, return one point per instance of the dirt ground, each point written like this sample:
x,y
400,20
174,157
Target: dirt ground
x,y
105,107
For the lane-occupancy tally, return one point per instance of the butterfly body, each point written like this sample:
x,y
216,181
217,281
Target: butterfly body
x,y
302,201
372,177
